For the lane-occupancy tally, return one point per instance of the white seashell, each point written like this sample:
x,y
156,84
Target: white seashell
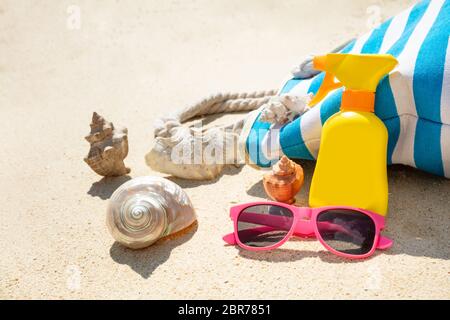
x,y
297,104
283,108
305,69
145,209
274,111
191,154
109,146
207,151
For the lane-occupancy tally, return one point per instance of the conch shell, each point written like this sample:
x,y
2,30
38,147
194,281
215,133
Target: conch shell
x,y
285,181
284,108
145,209
191,153
109,146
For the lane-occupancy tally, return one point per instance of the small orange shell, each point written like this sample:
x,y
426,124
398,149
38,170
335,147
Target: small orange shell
x,y
285,181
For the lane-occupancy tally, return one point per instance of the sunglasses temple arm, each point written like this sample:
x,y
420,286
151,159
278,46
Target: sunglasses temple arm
x,y
384,243
230,239
277,222
274,221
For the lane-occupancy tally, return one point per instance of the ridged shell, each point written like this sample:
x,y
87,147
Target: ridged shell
x,y
145,209
109,147
285,181
166,156
283,108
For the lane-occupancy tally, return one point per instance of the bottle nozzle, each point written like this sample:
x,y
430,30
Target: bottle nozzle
x,y
319,62
357,72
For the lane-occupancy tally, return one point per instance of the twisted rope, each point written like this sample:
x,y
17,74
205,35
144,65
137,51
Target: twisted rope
x,y
214,104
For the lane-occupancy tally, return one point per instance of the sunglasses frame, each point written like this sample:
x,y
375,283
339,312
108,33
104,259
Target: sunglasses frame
x,y
305,225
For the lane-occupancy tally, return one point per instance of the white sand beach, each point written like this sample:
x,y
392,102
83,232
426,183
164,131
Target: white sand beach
x,y
133,61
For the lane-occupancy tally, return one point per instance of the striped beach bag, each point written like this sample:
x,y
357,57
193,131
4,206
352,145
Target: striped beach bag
x,y
413,101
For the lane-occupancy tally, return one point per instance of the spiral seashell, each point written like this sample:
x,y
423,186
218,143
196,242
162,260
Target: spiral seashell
x,y
285,181
145,209
109,146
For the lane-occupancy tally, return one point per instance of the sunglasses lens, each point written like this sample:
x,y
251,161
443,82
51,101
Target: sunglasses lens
x,y
264,225
347,231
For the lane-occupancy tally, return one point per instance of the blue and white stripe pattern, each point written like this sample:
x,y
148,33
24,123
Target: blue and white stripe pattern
x,y
413,101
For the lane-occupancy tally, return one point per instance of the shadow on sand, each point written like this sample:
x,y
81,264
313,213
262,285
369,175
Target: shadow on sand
x,y
229,170
145,261
290,255
105,187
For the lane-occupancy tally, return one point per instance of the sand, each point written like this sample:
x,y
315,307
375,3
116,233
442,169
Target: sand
x,y
133,61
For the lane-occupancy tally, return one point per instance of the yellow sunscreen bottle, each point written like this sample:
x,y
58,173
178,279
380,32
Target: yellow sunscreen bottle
x,y
351,165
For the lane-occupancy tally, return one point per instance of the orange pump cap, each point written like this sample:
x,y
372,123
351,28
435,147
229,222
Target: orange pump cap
x,y
319,62
358,101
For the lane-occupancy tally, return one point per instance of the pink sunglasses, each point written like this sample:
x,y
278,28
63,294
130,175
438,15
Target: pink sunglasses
x,y
345,231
